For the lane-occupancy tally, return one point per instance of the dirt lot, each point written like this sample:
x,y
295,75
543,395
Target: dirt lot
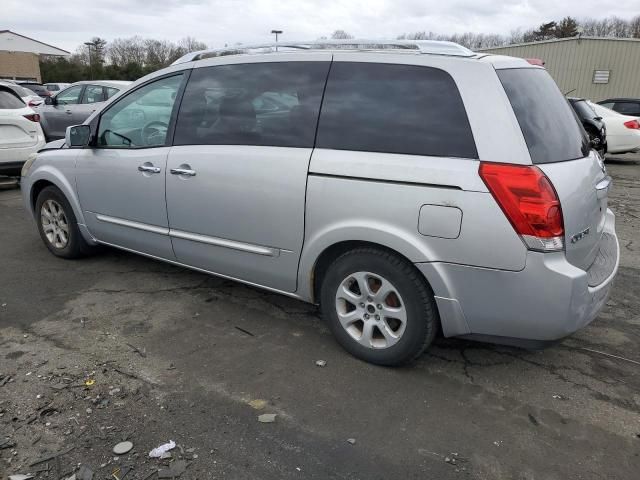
x,y
118,347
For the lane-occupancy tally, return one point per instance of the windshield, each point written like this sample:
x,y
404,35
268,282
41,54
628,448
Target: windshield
x,y
550,128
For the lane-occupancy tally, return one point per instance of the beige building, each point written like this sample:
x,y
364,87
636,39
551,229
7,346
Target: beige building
x,y
20,56
595,68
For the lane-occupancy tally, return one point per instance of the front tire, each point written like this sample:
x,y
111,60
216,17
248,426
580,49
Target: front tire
x,y
379,307
58,226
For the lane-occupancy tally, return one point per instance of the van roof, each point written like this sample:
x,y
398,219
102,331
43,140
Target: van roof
x,y
432,47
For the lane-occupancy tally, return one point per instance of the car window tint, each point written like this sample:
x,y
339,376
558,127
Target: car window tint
x,y
394,109
9,101
39,89
93,94
549,125
52,88
111,91
628,108
70,96
608,105
583,109
271,104
140,119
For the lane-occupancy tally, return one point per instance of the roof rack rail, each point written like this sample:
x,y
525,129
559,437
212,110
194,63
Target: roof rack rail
x,y
433,47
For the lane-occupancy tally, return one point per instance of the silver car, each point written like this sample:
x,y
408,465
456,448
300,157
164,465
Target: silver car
x,y
406,187
74,104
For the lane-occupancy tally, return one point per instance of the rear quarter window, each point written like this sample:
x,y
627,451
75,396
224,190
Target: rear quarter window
x,y
549,126
390,108
9,101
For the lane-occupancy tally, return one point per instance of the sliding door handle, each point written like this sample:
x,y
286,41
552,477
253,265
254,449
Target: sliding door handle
x,y
183,171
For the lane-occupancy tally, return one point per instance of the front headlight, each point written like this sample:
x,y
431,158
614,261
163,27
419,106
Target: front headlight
x,y
28,163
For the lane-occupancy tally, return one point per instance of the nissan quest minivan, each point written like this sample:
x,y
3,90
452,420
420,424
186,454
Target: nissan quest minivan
x,y
406,187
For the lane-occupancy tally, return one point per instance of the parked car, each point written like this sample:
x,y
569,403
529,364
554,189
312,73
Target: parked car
x,y
20,132
623,131
56,87
74,104
592,123
625,106
38,88
396,206
29,97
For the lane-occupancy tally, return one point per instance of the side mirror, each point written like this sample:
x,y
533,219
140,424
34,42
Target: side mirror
x,y
50,101
77,136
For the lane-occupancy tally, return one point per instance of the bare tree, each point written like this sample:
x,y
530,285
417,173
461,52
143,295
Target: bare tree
x,y
190,44
123,51
341,35
634,27
159,53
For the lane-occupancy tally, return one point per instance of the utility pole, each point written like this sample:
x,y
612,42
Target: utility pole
x,y
89,45
276,33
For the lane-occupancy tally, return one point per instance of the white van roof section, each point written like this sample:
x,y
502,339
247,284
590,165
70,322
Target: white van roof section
x,y
432,47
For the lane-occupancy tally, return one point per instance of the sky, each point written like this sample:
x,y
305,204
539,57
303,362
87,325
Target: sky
x,y
68,23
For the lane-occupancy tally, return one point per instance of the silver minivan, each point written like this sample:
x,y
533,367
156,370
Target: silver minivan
x,y
406,187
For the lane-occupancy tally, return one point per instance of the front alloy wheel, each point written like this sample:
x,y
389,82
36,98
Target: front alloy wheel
x,y
57,224
54,224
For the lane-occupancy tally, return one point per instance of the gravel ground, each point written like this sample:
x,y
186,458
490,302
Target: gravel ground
x,y
118,347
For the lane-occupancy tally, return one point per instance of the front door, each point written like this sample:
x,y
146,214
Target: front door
x,y
236,175
121,180
59,116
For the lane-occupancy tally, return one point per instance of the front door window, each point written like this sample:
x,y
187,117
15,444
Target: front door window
x,y
140,119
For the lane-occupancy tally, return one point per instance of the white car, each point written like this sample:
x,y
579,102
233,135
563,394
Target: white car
x,y
29,97
20,132
623,131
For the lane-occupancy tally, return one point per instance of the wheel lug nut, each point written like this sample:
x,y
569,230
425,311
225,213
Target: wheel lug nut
x,y
366,315
377,317
362,305
368,299
379,307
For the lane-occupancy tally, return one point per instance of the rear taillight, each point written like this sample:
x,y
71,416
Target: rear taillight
x,y
632,124
529,201
34,117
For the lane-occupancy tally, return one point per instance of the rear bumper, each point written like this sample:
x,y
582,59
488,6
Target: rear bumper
x,y
546,301
12,159
11,168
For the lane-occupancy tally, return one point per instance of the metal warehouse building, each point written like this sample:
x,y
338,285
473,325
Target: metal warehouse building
x,y
595,68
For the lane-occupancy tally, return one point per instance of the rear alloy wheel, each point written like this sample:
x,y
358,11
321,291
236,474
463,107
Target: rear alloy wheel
x,y
371,310
58,226
379,306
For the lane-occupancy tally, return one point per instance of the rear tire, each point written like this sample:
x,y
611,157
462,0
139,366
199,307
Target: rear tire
x,y
58,226
379,307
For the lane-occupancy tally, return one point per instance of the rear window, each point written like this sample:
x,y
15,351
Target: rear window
x,y
583,109
9,101
35,87
549,126
391,108
628,108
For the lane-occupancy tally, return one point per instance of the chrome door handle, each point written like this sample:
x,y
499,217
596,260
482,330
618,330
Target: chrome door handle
x,y
183,171
149,169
